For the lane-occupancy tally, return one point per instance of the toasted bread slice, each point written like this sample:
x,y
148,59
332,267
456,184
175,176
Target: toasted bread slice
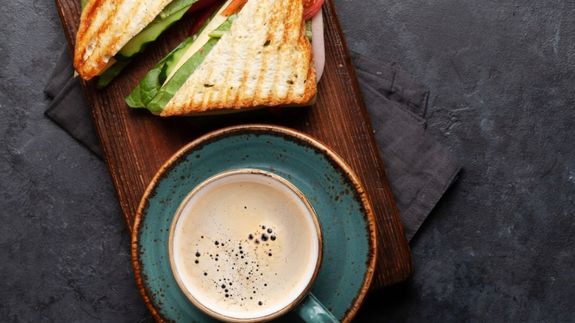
x,y
106,26
264,60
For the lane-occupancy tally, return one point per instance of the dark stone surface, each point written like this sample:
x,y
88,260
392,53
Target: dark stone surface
x,y
499,246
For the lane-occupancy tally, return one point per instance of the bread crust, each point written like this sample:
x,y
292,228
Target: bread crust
x,y
264,60
105,27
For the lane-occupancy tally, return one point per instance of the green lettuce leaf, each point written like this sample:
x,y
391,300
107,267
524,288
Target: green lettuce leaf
x,y
149,86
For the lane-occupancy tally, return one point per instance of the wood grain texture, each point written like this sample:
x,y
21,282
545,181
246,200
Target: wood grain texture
x,y
136,143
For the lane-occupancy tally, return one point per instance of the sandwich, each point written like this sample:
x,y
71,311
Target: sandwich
x,y
250,54
111,32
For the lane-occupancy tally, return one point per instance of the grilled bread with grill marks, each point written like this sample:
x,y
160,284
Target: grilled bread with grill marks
x,y
264,60
106,26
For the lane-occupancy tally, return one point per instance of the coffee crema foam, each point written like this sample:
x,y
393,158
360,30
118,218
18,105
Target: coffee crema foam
x,y
245,246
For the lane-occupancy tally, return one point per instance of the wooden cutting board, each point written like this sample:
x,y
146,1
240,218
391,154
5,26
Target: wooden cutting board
x,y
136,144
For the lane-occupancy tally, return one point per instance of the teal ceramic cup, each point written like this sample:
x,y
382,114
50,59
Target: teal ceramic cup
x,y
245,245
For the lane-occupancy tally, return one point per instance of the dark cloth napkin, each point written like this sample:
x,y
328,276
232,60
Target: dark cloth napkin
x,y
68,107
419,168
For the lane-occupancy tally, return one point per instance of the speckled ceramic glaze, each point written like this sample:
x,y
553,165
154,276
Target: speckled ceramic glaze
x,y
335,193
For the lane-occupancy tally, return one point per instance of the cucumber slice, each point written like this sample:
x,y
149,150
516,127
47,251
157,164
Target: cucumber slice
x,y
168,90
308,32
216,34
223,28
149,34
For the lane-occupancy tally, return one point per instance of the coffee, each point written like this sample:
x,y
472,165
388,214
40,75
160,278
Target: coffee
x,y
245,245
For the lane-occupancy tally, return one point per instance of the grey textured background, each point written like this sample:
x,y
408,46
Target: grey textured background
x,y
499,246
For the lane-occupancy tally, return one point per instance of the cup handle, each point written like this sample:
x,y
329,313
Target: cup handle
x,y
312,311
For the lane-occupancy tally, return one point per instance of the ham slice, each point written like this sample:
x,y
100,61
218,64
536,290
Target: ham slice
x,y
318,46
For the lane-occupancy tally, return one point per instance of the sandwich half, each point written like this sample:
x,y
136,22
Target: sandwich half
x,y
112,31
249,55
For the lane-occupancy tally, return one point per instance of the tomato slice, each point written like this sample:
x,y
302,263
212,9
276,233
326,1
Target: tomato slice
x,y
233,7
311,8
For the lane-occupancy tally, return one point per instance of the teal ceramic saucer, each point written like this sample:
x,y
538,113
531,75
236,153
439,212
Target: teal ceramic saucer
x,y
341,204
